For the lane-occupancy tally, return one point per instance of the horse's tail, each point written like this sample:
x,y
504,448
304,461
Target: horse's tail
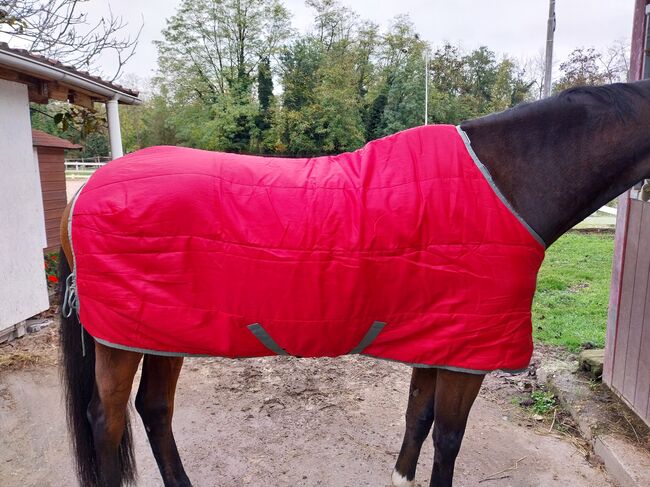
x,y
78,378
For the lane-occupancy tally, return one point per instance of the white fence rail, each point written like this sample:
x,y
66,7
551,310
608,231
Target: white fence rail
x,y
85,165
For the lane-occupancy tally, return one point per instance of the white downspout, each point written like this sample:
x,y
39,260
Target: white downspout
x,y
114,132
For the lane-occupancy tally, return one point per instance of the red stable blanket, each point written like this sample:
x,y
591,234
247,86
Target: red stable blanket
x,y
401,250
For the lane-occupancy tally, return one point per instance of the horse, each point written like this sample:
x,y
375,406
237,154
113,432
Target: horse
x,y
554,162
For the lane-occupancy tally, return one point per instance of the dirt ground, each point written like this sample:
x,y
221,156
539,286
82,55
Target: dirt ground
x,y
286,422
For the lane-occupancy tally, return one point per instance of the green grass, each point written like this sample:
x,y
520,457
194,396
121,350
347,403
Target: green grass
x,y
570,306
543,402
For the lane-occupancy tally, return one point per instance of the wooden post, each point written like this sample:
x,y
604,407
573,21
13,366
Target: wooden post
x,y
550,34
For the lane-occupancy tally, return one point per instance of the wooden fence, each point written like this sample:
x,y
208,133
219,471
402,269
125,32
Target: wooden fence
x,y
85,165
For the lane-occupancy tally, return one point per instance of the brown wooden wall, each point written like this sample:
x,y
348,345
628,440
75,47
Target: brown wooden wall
x,y
627,369
627,351
51,164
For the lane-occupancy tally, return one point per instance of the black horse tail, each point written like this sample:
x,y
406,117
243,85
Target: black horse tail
x,y
78,378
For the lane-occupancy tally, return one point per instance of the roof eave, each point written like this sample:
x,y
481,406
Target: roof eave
x,y
38,68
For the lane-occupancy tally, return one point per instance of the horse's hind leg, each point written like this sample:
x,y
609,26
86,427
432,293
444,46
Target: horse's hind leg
x,y
419,417
155,403
455,394
114,372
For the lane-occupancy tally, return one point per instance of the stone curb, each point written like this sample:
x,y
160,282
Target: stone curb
x,y
626,464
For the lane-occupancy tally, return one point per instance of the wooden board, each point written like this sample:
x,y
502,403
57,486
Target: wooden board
x,y
628,369
51,164
641,272
626,302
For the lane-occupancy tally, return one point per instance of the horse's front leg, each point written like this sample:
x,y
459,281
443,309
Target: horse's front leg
x,y
419,417
454,396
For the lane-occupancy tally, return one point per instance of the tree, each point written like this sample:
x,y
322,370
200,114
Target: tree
x,y
615,61
213,56
333,22
509,87
212,47
583,67
299,65
338,106
398,95
325,77
59,29
264,117
321,105
449,100
73,123
480,76
264,84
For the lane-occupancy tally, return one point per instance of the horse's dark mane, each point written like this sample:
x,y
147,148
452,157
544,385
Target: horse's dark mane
x,y
621,97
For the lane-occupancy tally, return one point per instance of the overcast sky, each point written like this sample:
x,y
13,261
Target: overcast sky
x,y
514,27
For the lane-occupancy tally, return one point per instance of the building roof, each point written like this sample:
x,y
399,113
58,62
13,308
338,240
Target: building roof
x,y
43,139
42,68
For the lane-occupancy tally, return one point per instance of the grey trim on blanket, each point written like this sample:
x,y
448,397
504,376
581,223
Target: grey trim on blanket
x,y
71,298
451,368
267,340
73,264
484,170
369,337
160,353
74,202
419,366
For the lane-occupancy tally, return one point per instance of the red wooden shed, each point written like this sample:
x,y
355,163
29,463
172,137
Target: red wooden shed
x,y
627,351
50,151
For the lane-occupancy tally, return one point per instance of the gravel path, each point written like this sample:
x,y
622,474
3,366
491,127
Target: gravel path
x,y
288,422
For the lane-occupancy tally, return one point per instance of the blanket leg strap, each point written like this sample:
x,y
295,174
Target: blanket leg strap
x,y
262,335
369,337
71,305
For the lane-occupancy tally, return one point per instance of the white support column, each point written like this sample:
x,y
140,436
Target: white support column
x,y
114,132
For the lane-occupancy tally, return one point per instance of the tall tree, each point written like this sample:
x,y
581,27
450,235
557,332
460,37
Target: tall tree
x,y
213,47
399,95
583,67
264,84
299,65
333,22
210,58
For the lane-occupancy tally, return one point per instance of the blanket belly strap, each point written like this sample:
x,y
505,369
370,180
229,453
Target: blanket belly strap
x,y
369,337
267,340
263,336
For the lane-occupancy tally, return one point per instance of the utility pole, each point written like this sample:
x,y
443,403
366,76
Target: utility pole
x,y
426,86
550,33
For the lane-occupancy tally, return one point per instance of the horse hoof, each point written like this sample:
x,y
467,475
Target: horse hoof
x,y
400,480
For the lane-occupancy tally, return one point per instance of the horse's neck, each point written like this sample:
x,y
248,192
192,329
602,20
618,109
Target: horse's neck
x,y
556,172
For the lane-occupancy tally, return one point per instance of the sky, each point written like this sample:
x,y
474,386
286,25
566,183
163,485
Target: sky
x,y
513,27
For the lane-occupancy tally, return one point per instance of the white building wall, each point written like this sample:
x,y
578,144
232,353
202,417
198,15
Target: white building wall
x,y
23,290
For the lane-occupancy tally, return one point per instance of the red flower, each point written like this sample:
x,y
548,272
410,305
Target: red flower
x,y
52,279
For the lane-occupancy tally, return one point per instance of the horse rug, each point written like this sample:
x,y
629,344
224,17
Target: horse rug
x,y
401,250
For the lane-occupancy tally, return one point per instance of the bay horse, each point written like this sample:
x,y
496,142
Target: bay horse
x,y
554,161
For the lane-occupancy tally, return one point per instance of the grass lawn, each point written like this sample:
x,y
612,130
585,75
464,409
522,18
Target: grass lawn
x,y
570,306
